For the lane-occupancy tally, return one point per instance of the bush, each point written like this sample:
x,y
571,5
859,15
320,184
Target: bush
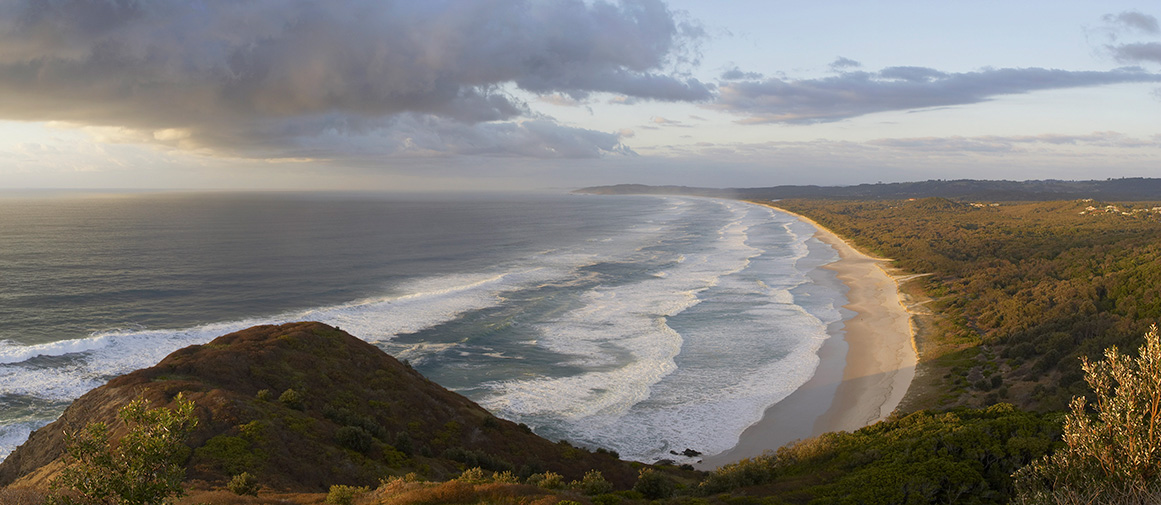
x,y
505,477
292,399
1114,456
653,485
232,455
546,480
593,484
354,438
344,495
747,472
481,459
144,467
243,484
404,444
473,475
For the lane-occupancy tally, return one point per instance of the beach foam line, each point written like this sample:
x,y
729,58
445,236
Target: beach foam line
x,y
644,406
11,352
879,361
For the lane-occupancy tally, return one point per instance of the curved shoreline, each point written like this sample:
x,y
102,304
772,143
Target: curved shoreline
x,y
851,391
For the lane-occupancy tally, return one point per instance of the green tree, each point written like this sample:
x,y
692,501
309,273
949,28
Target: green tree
x,y
143,468
1114,455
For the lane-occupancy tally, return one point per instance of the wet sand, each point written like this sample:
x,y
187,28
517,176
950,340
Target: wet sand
x,y
860,378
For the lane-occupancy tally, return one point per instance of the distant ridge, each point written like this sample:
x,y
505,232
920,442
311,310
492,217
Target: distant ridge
x,y
1127,189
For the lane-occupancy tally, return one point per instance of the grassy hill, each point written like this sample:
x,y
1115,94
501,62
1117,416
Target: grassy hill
x,y
304,406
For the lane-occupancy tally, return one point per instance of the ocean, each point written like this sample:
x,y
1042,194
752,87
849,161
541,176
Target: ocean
x,y
640,324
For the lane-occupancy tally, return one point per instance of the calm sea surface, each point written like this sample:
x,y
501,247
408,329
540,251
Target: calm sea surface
x,y
640,324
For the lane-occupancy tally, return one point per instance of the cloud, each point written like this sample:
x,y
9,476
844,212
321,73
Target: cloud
x,y
853,94
1133,23
1137,52
841,64
735,74
561,100
660,121
1134,20
264,75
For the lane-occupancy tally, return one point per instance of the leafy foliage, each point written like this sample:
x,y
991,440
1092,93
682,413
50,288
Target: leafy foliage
x,y
144,467
547,480
654,485
243,484
961,456
592,484
344,495
354,438
292,399
1114,456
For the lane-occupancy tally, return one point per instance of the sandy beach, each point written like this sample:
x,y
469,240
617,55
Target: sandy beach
x,y
860,379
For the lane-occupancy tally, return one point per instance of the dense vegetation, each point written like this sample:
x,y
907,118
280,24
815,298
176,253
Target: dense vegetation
x,y
1021,291
960,456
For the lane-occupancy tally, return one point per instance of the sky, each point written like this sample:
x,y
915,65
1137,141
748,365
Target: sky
x,y
477,95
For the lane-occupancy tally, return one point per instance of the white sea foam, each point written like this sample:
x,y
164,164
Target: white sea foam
x,y
14,434
11,352
427,302
647,404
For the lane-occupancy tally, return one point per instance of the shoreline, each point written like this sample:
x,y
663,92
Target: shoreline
x,y
846,392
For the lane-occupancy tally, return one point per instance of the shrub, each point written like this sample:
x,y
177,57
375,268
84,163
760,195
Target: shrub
x,y
263,394
747,472
344,495
232,455
481,459
144,467
653,485
473,475
546,480
593,484
404,444
292,399
1114,456
354,438
243,484
505,477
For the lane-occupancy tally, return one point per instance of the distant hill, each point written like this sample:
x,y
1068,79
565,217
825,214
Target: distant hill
x,y
301,441
1128,189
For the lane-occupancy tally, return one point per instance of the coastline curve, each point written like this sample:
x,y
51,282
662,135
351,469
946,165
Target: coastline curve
x,y
853,387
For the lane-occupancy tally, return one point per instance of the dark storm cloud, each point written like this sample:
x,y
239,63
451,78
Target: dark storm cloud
x,y
270,73
855,94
